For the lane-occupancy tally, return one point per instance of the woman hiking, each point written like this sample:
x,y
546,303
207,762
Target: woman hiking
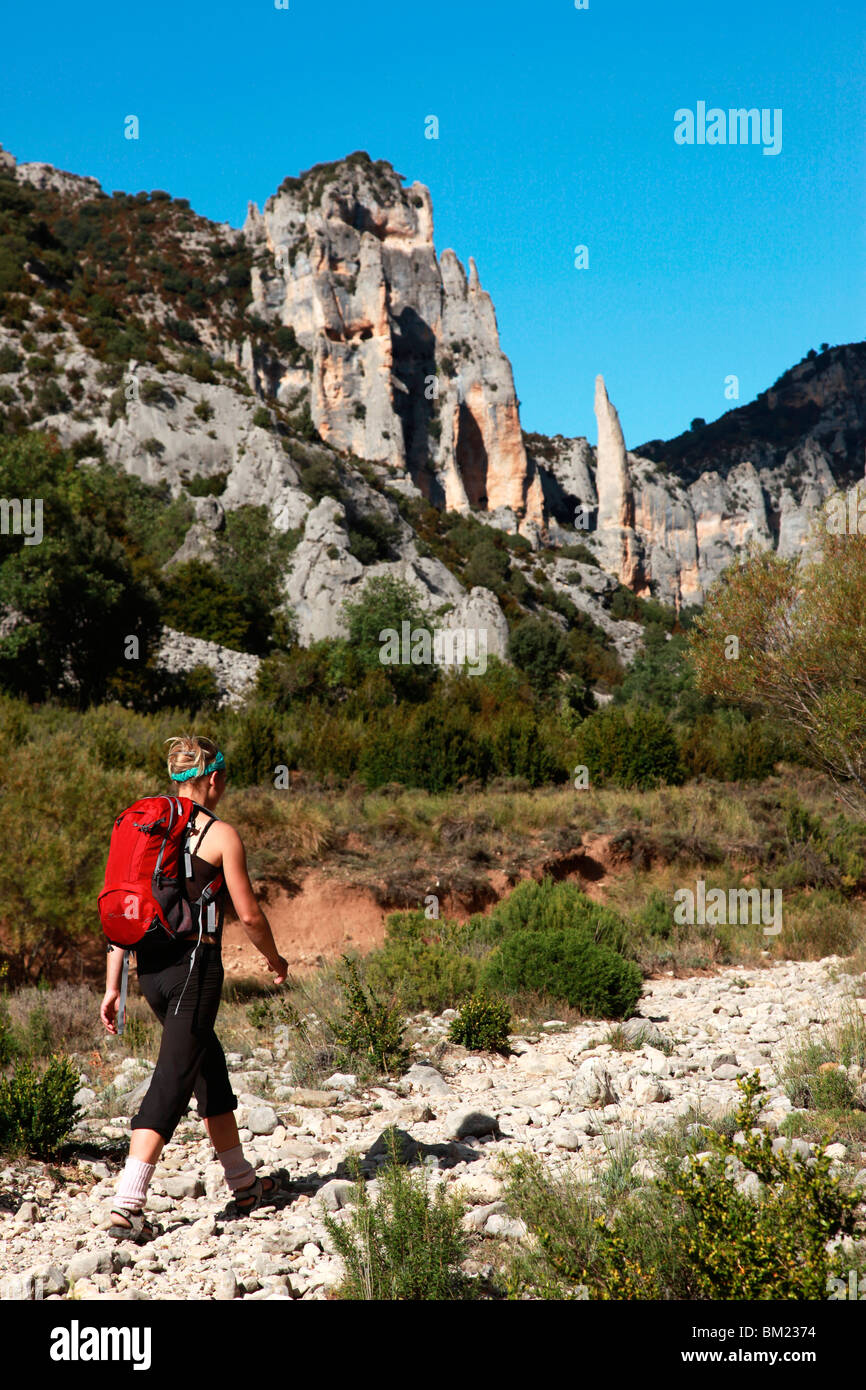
x,y
181,979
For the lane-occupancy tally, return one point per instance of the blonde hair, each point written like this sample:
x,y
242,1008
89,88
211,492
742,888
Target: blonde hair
x,y
187,751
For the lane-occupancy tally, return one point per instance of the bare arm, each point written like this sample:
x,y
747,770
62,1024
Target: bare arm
x,y
111,998
253,920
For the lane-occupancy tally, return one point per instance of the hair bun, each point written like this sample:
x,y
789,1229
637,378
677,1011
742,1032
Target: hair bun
x,y
186,751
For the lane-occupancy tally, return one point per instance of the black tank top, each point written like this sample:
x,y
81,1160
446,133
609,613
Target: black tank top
x,y
157,950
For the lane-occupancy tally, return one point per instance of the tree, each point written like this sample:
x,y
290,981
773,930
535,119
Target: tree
x,y
539,649
790,640
385,604
81,592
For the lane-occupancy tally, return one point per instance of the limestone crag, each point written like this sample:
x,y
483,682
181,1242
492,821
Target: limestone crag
x,y
329,317
669,518
615,534
235,672
406,363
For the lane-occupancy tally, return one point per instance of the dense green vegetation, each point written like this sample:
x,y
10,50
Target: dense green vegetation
x,y
693,1232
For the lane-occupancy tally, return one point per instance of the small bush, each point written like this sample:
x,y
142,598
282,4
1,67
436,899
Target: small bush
x,y
483,1024
656,916
207,486
37,1112
404,1245
550,906
691,1234
367,1029
635,748
422,975
566,965
736,1246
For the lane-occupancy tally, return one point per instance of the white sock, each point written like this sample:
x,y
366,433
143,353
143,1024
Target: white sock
x,y
238,1170
133,1185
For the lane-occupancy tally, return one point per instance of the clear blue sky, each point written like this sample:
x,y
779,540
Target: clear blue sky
x,y
555,129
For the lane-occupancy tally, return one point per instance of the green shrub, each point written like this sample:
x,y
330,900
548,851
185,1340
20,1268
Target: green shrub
x,y
656,916
538,648
483,1024
207,486
635,748
8,1042
422,975
367,1029
567,965
691,1234
37,1112
550,906
256,747
404,1245
735,1246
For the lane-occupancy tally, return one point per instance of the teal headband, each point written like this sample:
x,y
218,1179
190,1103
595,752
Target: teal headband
x,y
218,763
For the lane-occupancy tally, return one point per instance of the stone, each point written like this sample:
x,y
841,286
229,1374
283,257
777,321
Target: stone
x,y
87,1263
792,1147
262,1120
477,1187
615,534
342,1081
336,1194
27,1213
302,1095
642,1031
726,1072
507,1226
226,1287
593,1087
183,1185
836,1151
567,1139
427,1079
476,1219
53,1279
84,1097
750,1185
658,1062
545,1063
725,1059
648,1090
860,1179
471,1124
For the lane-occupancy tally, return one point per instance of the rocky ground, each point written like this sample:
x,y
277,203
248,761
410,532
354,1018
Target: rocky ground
x,y
563,1093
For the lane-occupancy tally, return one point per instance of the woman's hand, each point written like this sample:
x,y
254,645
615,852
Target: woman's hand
x,y
280,967
108,1011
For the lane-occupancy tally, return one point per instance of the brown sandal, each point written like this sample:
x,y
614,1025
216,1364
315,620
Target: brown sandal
x,y
139,1230
248,1199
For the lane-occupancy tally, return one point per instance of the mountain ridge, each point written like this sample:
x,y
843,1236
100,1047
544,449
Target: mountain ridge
x,y
326,334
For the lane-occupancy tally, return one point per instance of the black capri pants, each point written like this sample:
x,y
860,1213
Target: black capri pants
x,y
191,1060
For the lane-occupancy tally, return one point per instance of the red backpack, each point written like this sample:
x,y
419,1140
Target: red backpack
x,y
145,878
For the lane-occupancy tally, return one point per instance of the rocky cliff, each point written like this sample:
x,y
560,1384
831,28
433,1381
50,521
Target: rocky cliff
x,y
406,364
669,518
326,340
